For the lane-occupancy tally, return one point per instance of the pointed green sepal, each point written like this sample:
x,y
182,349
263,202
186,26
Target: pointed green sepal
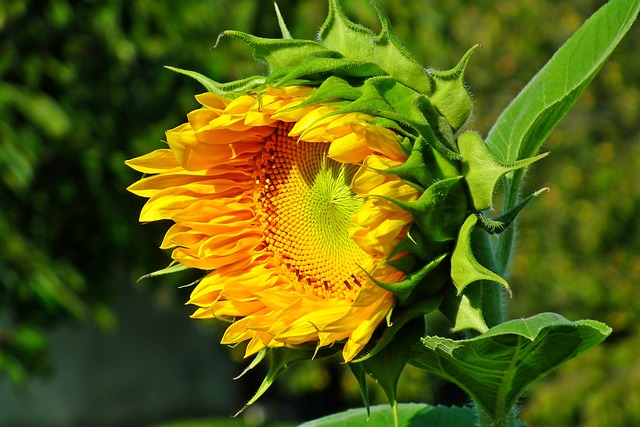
x,y
321,67
451,97
283,27
357,42
440,209
424,165
254,362
423,118
465,269
387,365
498,225
229,90
415,110
333,88
360,375
280,359
277,53
415,250
482,170
401,316
464,311
370,100
403,289
174,267
414,170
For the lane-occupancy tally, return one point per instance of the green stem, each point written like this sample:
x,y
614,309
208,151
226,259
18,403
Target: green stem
x,y
493,295
495,253
503,248
394,410
509,420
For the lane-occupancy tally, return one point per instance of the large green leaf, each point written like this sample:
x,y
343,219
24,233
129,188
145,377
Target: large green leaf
x,y
527,121
410,414
495,368
525,124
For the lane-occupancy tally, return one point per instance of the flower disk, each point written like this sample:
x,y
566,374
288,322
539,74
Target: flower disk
x,y
286,206
306,204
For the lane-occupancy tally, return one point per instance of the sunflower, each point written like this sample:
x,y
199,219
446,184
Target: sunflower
x,y
329,195
287,206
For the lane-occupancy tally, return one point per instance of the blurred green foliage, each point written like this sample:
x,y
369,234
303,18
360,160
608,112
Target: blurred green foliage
x,y
82,88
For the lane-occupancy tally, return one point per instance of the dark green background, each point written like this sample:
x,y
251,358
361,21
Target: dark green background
x,y
82,88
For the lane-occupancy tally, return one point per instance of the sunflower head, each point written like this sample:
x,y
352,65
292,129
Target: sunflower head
x,y
327,196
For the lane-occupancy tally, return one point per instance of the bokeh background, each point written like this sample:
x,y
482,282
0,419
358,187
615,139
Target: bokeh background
x,y
83,88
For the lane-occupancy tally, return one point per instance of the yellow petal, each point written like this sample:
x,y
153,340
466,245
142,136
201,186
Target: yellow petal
x,y
213,101
349,149
155,162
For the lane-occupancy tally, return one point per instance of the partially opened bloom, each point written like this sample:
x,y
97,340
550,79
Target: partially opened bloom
x,y
283,204
328,196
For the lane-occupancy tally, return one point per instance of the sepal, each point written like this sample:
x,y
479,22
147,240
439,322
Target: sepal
x,y
360,374
464,310
451,97
414,250
229,90
277,53
465,269
404,288
386,366
283,27
482,170
174,267
440,210
357,42
321,67
279,360
501,223
401,317
424,166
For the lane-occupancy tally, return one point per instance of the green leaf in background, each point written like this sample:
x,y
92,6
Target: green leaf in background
x,y
495,368
409,415
39,108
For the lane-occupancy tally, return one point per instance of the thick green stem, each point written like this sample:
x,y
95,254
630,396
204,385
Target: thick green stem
x,y
495,253
508,420
493,294
493,304
503,246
